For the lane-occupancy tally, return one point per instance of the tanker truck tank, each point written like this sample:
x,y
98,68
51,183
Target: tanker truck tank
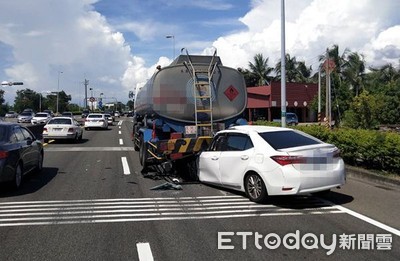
x,y
169,93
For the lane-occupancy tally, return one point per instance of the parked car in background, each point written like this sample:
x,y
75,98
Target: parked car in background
x,y
265,161
85,113
67,114
41,118
62,128
11,114
96,120
25,117
49,112
28,110
20,153
291,119
110,119
117,114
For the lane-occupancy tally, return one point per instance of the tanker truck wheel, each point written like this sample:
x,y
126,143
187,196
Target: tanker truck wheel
x,y
135,146
143,153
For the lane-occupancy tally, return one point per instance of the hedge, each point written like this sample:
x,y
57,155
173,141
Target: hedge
x,y
366,148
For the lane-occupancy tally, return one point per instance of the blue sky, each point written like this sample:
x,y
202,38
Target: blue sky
x,y
117,44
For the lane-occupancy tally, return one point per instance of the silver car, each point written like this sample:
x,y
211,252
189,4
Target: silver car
x,y
41,118
25,117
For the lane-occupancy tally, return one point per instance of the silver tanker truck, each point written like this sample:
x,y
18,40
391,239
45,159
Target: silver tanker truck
x,y
182,106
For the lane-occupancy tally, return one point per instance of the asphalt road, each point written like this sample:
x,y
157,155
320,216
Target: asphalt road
x,y
91,202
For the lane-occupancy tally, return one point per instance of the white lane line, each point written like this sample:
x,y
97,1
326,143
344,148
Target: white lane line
x,y
144,252
162,218
119,127
370,220
119,132
121,142
120,123
125,166
363,218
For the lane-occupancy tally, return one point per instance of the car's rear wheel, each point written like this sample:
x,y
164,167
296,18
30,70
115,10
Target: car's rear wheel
x,y
255,188
39,166
143,153
18,176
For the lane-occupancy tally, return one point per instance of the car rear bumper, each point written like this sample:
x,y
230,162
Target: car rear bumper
x,y
59,136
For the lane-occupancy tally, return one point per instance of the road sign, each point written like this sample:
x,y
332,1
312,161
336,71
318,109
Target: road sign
x,y
100,104
92,99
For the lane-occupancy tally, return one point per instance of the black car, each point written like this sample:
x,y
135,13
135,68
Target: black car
x,y
85,113
20,153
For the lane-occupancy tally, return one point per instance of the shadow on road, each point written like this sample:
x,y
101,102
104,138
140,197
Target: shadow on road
x,y
32,183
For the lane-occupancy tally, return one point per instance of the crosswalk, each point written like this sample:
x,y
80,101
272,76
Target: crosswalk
x,y
29,213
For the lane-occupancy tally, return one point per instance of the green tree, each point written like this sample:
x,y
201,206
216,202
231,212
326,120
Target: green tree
x,y
130,105
26,98
295,71
261,70
363,112
249,78
354,72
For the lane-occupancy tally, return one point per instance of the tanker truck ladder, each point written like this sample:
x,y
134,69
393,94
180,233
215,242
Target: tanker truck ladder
x,y
202,92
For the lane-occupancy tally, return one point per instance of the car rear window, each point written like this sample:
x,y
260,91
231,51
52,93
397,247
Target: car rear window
x,y
60,121
287,139
41,115
95,116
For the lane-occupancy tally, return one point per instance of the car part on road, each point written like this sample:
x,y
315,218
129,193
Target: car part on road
x,y
167,185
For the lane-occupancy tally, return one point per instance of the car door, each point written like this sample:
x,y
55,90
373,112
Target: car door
x,y
209,161
234,159
25,149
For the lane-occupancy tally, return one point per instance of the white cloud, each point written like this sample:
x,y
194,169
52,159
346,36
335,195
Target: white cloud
x,y
65,36
311,27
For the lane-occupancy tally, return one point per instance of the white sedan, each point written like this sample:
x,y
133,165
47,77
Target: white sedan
x,y
264,161
41,118
96,120
62,128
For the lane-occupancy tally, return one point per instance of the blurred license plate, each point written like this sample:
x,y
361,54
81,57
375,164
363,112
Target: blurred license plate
x,y
57,129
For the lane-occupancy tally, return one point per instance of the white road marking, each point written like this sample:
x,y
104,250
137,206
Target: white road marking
x,y
370,220
145,209
119,132
144,252
120,122
125,166
121,142
119,127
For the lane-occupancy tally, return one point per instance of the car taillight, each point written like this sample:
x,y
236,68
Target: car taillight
x,y
285,160
3,154
44,129
336,153
70,130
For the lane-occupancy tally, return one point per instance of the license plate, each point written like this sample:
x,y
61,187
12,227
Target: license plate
x,y
57,129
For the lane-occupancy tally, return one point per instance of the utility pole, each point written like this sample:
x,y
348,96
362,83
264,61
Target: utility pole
x,y
86,83
283,66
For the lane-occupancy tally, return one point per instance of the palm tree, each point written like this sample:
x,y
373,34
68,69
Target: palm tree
x,y
260,69
354,71
295,71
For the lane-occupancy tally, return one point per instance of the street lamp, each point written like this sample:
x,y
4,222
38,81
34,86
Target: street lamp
x,y
58,87
173,44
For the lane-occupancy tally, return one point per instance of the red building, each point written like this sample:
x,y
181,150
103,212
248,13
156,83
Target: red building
x,y
264,102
